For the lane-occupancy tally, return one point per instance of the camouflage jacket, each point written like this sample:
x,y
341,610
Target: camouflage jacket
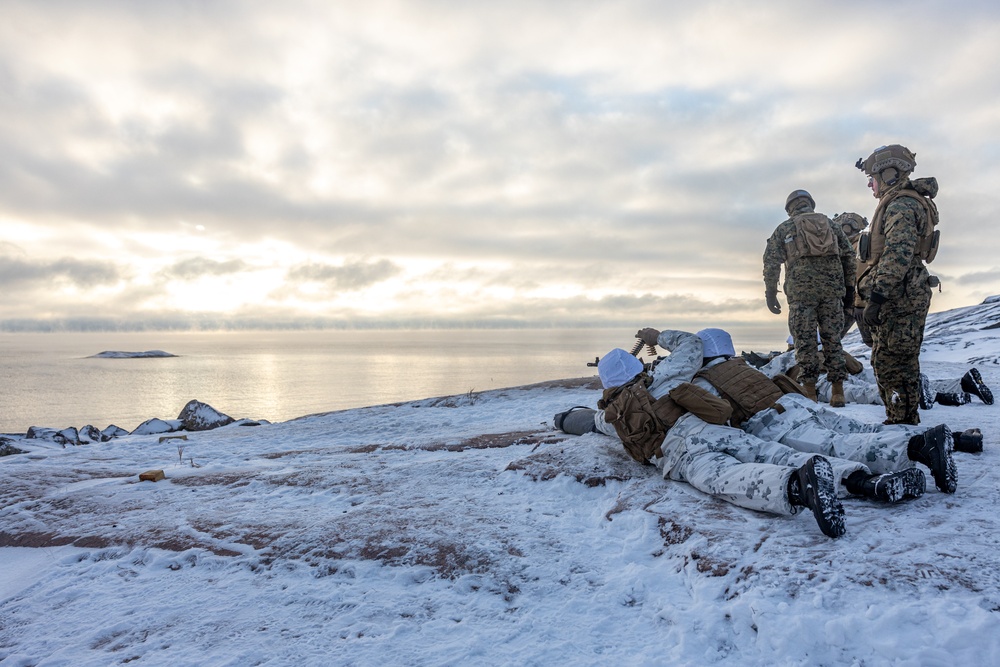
x,y
809,277
903,219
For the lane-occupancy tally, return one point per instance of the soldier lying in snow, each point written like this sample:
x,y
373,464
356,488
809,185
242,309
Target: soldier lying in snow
x,y
861,388
665,418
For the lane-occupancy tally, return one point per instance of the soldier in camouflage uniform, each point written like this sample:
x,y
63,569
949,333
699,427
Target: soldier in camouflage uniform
x,y
819,283
807,427
853,224
894,283
726,462
762,473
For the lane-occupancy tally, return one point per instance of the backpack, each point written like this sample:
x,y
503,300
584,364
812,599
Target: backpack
x,y
813,237
640,420
930,236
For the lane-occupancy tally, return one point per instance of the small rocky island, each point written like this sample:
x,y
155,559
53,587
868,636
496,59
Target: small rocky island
x,y
110,354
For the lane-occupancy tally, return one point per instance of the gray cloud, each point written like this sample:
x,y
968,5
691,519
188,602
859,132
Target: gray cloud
x,y
17,272
980,277
349,276
195,267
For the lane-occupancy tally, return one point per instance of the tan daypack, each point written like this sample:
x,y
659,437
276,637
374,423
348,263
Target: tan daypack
x,y
702,403
813,237
642,421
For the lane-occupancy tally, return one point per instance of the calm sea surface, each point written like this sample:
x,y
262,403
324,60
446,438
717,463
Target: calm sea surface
x,y
49,379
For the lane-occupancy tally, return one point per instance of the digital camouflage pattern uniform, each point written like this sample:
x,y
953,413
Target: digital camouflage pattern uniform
x,y
723,461
853,224
815,288
900,281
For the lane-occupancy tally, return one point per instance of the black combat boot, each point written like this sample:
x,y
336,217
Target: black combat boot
x,y
970,440
926,395
576,421
812,486
953,399
933,449
972,382
890,487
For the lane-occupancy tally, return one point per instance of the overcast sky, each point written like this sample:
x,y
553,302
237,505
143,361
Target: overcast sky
x,y
488,162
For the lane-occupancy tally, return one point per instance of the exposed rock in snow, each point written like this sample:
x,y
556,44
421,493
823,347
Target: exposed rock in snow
x,y
112,431
7,447
152,426
198,416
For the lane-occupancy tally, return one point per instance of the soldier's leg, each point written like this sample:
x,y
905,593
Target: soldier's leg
x,y
756,486
602,425
802,325
807,427
830,319
896,358
735,466
748,448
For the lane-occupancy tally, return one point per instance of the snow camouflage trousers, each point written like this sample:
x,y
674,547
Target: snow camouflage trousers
x,y
809,427
737,467
860,389
896,349
826,315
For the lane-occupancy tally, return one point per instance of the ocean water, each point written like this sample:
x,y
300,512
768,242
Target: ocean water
x,y
52,379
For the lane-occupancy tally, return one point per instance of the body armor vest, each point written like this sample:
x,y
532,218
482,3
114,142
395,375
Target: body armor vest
x,y
927,246
748,390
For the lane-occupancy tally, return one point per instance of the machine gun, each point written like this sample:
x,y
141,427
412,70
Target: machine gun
x,y
636,349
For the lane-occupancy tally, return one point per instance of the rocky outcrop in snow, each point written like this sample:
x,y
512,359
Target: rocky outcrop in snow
x,y
196,416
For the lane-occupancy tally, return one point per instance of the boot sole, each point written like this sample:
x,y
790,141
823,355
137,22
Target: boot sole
x,y
896,486
825,505
926,397
943,471
980,389
913,482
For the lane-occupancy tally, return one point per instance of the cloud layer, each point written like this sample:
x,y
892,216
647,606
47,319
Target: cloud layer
x,y
443,162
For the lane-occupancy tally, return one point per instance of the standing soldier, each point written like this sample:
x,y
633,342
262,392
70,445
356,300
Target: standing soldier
x,y
819,284
894,282
853,224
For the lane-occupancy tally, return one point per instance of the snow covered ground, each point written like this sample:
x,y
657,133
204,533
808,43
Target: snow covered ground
x,y
464,530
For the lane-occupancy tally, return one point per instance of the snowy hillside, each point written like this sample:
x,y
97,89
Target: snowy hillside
x,y
464,530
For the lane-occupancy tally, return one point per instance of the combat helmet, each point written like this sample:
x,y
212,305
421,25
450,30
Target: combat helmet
x,y
898,158
799,194
851,223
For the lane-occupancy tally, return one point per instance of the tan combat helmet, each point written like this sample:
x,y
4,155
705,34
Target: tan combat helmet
x,y
798,194
899,159
851,223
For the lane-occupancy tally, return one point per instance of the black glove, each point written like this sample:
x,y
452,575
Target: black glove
x,y
859,315
871,312
772,302
849,300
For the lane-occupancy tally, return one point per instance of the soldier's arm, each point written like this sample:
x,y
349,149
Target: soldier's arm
x,y
902,226
686,351
848,259
774,257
